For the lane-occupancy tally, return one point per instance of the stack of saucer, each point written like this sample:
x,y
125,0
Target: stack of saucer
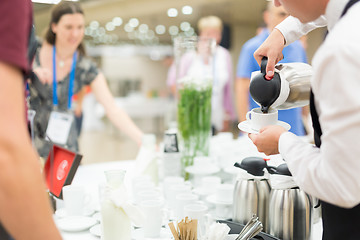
x,y
223,200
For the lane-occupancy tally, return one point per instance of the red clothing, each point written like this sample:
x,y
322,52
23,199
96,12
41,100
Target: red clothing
x,y
15,25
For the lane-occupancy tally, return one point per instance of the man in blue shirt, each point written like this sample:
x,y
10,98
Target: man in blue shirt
x,y
247,64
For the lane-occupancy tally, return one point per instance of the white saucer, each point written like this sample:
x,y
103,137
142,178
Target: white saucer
x,y
61,213
245,126
96,230
215,217
97,216
201,191
75,223
202,170
212,199
138,234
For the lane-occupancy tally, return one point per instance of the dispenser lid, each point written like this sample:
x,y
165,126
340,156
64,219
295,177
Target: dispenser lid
x,y
253,165
283,169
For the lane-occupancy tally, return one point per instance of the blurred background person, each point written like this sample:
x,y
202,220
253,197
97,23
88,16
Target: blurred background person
x,y
25,211
247,64
222,112
63,49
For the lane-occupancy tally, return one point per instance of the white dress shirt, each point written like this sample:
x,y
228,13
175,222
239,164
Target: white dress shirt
x,y
332,172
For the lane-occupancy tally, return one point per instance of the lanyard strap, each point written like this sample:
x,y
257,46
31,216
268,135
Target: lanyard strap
x,y
71,80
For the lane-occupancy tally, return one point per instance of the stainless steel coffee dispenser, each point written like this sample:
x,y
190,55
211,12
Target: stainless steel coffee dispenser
x,y
251,192
290,208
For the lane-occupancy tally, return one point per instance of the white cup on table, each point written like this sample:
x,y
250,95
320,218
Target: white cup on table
x,y
175,190
154,214
151,194
210,183
258,119
168,182
199,212
75,199
182,200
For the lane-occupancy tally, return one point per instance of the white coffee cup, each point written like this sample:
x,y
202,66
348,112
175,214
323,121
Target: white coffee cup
x,y
224,193
173,191
75,199
258,119
168,182
210,183
182,200
140,187
199,212
152,210
149,195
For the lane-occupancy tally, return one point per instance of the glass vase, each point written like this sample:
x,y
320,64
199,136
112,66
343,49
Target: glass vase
x,y
194,74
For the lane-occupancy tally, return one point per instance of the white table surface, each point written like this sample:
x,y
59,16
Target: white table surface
x,y
92,175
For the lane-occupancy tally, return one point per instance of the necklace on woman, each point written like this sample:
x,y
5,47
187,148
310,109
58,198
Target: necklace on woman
x,y
61,63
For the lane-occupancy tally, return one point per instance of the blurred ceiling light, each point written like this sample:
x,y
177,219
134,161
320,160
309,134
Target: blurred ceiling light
x,y
143,28
172,12
191,31
131,35
160,29
128,28
88,31
134,22
150,34
185,26
173,30
110,26
102,31
187,10
94,24
117,21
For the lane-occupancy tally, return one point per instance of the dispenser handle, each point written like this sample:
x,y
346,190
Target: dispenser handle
x,y
264,62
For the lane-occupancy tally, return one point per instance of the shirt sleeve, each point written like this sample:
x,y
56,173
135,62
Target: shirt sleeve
x,y
88,71
15,22
331,172
292,29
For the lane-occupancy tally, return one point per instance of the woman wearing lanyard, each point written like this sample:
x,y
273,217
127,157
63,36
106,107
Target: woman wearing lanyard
x,y
63,70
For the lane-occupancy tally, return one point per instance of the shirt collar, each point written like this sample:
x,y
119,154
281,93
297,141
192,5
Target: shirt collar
x,y
333,11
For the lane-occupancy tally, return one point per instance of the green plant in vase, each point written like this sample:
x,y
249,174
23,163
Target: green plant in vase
x,y
194,120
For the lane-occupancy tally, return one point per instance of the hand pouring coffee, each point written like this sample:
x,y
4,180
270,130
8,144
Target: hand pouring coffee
x,y
289,88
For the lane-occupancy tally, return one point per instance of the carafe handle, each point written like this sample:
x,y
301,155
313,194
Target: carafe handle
x,y
264,62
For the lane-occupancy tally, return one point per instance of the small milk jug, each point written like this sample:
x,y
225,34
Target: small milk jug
x,y
116,224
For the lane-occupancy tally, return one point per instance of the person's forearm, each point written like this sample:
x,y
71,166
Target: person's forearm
x,y
123,122
242,97
25,209
116,115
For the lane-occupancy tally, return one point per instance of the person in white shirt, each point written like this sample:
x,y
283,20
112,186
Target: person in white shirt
x,y
329,171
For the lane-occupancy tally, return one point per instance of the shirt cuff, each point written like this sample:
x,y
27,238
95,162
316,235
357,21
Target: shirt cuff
x,y
285,142
289,29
